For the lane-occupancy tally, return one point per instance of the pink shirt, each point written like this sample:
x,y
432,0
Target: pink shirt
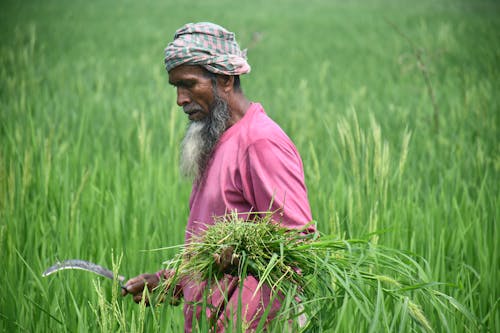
x,y
253,165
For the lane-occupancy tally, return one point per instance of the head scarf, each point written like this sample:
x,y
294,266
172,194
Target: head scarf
x,y
208,45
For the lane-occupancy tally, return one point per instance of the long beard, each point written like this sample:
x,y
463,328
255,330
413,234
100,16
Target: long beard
x,y
201,138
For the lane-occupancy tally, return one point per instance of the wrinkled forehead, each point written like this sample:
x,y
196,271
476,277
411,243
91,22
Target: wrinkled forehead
x,y
190,75
186,70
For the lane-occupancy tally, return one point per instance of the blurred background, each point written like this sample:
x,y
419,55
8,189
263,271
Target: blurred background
x,y
393,105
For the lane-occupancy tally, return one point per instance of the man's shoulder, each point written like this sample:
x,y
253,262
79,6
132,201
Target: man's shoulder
x,y
262,126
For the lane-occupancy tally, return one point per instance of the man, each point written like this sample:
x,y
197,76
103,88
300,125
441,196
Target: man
x,y
239,160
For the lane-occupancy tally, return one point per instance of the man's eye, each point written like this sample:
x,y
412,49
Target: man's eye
x,y
186,84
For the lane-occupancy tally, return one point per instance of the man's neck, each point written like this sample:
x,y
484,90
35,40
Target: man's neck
x,y
238,105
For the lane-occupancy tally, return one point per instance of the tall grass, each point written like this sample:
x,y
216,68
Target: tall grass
x,y
89,135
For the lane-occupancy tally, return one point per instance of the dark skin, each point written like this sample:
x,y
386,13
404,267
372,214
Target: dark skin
x,y
135,286
195,92
195,95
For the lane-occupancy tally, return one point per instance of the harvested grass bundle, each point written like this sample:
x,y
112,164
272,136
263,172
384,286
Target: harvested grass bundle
x,y
317,275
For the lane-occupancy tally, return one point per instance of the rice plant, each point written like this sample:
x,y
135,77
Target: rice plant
x,y
315,275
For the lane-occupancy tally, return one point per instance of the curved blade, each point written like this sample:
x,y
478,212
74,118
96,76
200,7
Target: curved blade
x,y
84,265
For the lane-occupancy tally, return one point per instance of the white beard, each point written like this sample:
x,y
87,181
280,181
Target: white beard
x,y
201,138
192,146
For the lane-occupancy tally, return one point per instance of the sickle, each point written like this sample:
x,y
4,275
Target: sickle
x,y
83,265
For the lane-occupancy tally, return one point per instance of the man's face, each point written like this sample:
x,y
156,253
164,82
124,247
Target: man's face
x,y
195,92
209,116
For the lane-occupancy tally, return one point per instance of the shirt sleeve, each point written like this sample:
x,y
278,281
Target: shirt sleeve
x,y
273,180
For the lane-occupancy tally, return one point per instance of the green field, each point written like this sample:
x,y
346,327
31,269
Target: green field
x,y
393,105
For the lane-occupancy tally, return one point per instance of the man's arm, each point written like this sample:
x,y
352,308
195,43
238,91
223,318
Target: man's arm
x,y
272,172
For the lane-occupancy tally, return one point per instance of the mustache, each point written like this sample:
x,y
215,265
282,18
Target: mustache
x,y
192,107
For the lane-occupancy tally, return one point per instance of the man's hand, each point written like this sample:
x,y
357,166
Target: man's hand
x,y
227,262
169,292
135,286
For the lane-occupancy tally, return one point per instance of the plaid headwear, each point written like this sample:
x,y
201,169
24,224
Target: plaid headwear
x,y
208,45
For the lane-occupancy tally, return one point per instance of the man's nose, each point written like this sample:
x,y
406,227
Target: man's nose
x,y
182,96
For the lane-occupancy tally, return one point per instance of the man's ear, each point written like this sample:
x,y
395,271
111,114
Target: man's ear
x,y
225,82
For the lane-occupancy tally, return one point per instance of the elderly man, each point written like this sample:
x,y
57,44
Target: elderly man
x,y
239,160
